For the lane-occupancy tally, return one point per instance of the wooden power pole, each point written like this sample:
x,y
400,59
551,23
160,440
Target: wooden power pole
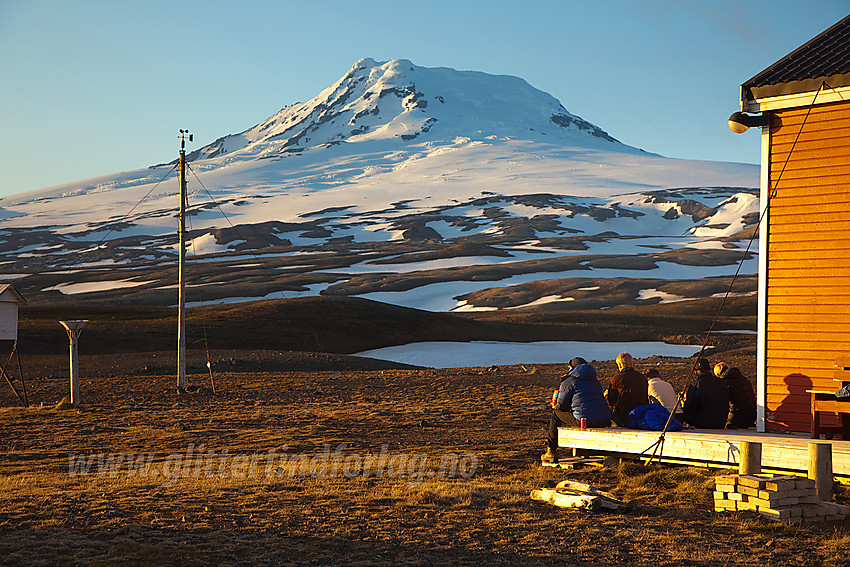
x,y
181,319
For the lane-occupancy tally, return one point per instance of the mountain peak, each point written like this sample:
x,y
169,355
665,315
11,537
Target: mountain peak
x,y
426,187
399,101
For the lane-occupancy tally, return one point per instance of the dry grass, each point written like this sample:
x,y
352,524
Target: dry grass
x,y
661,485
835,544
278,515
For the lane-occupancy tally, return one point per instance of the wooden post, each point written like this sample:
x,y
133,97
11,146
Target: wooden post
x,y
75,369
750,458
820,469
611,461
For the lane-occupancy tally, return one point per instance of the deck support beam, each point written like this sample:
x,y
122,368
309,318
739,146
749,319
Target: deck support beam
x,y
820,469
750,458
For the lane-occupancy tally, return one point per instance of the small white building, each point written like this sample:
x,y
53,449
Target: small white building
x,y
10,300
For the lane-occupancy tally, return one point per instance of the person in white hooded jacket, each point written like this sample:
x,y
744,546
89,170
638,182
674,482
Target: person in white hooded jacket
x,y
661,391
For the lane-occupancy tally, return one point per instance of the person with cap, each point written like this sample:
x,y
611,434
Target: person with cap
x,y
706,402
661,391
628,390
572,364
742,399
579,396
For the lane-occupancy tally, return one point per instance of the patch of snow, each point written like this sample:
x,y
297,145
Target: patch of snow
x,y
407,267
464,306
207,244
665,297
543,301
713,245
313,289
448,230
438,296
488,353
88,287
736,294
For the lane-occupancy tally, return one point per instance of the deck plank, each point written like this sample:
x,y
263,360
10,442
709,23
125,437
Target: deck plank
x,y
708,446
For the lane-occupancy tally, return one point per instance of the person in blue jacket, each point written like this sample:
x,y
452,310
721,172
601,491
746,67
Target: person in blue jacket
x,y
579,396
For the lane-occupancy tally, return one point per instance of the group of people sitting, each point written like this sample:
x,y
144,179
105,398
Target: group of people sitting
x,y
722,398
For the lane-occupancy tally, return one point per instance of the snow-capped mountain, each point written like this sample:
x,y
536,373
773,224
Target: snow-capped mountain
x,y
419,186
389,101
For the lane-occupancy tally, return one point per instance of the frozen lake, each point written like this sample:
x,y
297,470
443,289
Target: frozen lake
x,y
488,353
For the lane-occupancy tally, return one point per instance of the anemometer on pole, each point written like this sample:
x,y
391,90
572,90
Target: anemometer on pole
x,y
181,319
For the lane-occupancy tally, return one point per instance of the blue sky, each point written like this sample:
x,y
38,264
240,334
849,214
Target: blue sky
x,y
92,87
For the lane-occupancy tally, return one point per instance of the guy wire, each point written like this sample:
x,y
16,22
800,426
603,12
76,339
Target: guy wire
x,y
116,223
201,301
253,253
659,444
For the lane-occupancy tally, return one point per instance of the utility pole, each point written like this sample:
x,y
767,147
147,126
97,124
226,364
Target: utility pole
x,y
181,319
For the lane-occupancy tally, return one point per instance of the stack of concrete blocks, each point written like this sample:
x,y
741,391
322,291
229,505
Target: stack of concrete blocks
x,y
785,498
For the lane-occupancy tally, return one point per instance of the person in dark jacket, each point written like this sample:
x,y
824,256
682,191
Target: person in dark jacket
x,y
706,404
628,390
742,399
579,397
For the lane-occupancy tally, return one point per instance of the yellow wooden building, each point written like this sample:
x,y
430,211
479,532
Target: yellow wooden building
x,y
802,103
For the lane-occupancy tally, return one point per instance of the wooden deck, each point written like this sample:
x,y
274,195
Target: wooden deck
x,y
711,447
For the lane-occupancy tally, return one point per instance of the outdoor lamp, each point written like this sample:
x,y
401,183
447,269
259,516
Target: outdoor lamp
x,y
740,122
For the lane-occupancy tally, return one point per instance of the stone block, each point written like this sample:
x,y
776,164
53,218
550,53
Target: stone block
x,y
724,505
780,483
753,481
811,511
776,513
786,502
725,480
771,495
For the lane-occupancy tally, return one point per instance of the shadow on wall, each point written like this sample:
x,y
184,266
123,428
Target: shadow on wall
x,y
794,411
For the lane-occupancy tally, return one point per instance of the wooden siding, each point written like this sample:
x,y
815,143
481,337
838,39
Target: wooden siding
x,y
808,264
